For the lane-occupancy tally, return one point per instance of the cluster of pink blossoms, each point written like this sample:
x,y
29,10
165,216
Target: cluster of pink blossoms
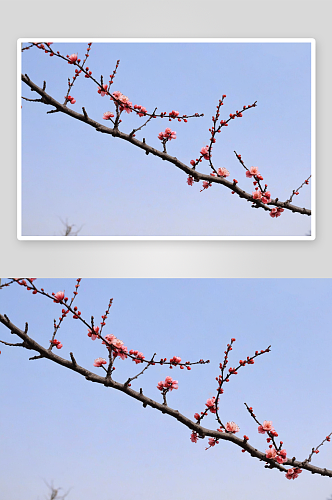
x,y
122,102
168,385
276,212
279,456
70,99
168,135
263,197
56,343
141,110
116,346
293,473
138,356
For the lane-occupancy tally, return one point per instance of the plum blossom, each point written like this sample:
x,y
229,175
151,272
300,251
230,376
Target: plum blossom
x,y
232,427
213,441
168,385
271,453
175,360
122,102
205,153
102,90
56,343
99,362
141,110
266,198
116,346
58,297
266,427
93,334
293,473
107,115
281,456
168,135
72,59
252,172
211,404
223,172
174,114
194,437
190,180
257,195
276,212
138,356
71,99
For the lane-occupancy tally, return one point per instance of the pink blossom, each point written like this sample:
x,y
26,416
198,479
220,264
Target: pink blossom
x,y
175,360
168,135
211,404
257,195
139,358
93,334
252,172
205,153
59,296
174,114
169,384
293,473
276,212
282,456
122,102
266,198
267,426
192,162
190,180
232,427
72,59
196,416
206,185
223,172
142,110
102,91
116,346
212,441
99,362
194,437
107,115
57,343
271,453
160,386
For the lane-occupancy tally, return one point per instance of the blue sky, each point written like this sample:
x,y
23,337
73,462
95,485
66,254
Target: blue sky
x,y
113,189
57,426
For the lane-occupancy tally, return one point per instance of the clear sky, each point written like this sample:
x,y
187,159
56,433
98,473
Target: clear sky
x,y
57,426
112,188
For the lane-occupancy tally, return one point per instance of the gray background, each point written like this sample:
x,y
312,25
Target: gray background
x,y
294,19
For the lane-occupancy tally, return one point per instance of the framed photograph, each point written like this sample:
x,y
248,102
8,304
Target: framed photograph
x,y
166,139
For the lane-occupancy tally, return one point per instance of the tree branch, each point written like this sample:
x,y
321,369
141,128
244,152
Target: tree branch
x,y
29,343
115,132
